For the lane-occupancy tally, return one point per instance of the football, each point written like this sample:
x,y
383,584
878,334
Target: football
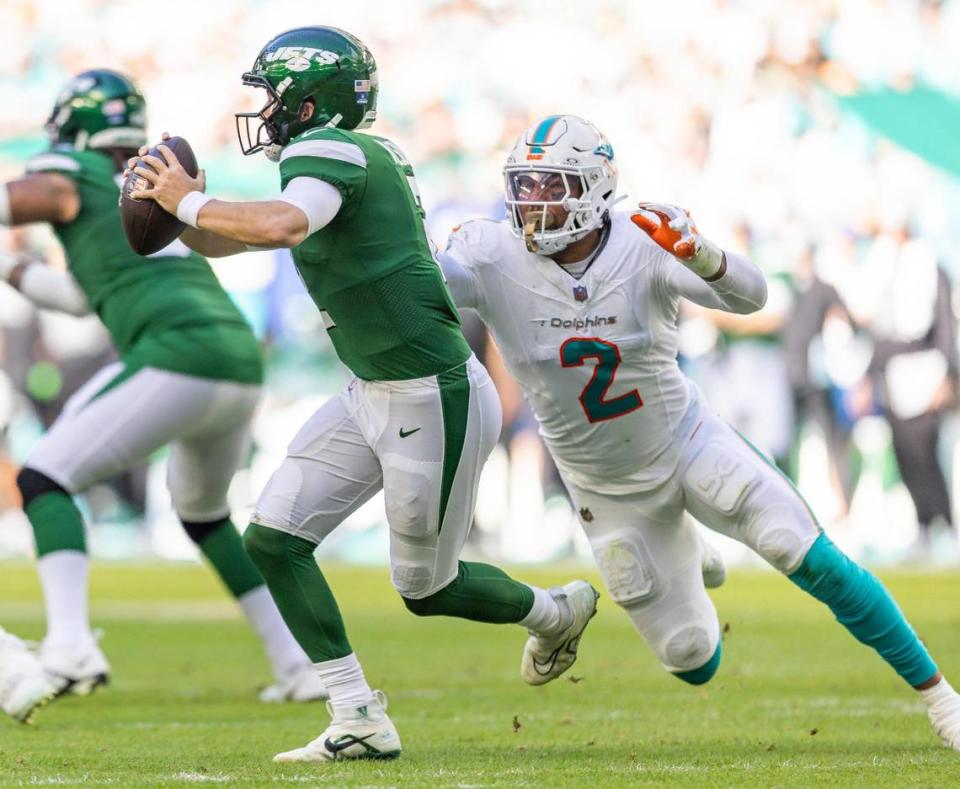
x,y
148,227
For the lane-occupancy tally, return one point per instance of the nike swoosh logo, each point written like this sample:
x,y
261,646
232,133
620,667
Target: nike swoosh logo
x,y
546,667
405,433
345,742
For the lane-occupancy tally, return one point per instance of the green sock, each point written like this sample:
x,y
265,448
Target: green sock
x,y
481,593
57,523
300,591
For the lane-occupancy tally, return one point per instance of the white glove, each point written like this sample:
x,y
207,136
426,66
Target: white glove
x,y
673,230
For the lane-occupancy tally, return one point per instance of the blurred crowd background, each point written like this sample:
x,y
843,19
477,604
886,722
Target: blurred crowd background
x,y
819,136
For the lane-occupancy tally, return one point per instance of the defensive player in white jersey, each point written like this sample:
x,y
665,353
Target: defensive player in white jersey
x,y
582,302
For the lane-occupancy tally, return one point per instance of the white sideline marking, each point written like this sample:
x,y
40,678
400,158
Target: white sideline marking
x,y
162,611
217,778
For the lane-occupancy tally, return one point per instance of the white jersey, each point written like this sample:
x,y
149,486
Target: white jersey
x,y
596,356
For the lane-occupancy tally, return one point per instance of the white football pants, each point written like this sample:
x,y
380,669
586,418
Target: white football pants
x,y
423,441
649,553
114,421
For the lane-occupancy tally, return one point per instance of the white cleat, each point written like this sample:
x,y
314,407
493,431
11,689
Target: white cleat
x,y
712,566
546,657
24,686
75,669
300,685
943,708
363,733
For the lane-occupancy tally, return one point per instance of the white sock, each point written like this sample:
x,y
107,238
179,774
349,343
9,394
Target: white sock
x,y
938,693
282,649
544,618
63,576
345,683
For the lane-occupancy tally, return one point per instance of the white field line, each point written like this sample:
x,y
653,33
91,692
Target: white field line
x,y
142,611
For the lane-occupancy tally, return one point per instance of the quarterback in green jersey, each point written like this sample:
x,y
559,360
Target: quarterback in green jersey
x,y
189,375
419,418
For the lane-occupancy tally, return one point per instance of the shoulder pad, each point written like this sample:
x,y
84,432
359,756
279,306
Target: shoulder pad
x,y
324,143
53,161
475,240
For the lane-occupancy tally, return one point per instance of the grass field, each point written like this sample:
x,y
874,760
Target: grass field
x,y
796,702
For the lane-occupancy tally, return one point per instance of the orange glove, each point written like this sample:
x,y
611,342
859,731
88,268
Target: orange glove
x,y
673,229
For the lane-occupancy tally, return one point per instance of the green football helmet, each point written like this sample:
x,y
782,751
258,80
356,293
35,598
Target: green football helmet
x,y
324,65
99,109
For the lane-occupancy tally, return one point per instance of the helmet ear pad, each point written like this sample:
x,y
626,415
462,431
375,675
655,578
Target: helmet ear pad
x,y
307,108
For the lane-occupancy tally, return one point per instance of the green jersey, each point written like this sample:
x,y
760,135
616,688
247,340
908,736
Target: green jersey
x,y
167,310
370,271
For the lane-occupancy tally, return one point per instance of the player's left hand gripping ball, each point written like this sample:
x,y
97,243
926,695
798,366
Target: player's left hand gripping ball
x,y
673,229
169,181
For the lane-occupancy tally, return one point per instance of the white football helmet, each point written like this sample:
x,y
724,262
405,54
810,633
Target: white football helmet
x,y
561,163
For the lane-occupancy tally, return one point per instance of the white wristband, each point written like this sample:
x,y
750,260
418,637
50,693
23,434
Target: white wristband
x,y
5,217
708,260
188,209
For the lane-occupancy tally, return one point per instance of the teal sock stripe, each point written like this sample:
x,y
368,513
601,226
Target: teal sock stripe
x,y
704,674
863,605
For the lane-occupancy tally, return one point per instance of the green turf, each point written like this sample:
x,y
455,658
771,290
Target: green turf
x,y
796,702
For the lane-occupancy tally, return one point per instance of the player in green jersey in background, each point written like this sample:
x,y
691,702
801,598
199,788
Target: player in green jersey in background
x,y
420,417
189,375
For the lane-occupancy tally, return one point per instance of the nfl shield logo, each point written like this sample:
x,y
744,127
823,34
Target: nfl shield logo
x,y
580,293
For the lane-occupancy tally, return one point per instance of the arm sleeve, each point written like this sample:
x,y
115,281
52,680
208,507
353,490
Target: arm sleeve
x,y
319,201
53,289
461,281
741,289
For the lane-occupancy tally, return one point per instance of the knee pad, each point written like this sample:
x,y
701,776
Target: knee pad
x,y
626,568
782,535
703,674
33,483
430,601
198,532
688,649
412,581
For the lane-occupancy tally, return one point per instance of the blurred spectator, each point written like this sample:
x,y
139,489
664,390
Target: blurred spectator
x,y
746,378
819,320
914,364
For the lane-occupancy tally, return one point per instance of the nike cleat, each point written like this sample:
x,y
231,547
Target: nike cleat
x,y
364,733
24,687
301,685
546,657
75,669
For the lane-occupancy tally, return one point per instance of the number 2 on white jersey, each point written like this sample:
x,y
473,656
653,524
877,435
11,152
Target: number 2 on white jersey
x,y
593,400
